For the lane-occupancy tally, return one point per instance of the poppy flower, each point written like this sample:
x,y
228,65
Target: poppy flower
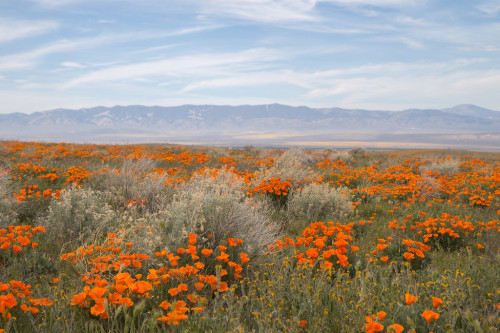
x,y
78,299
206,252
408,255
97,309
223,287
244,258
381,315
395,328
436,302
430,315
192,238
410,299
164,305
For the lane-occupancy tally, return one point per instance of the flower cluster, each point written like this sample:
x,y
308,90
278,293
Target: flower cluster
x,y
120,279
16,293
18,237
320,241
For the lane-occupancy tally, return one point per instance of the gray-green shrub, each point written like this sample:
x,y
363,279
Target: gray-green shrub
x,y
320,201
217,206
80,214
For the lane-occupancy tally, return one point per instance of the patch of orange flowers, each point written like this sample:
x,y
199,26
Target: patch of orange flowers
x,y
320,241
18,237
16,293
120,279
273,186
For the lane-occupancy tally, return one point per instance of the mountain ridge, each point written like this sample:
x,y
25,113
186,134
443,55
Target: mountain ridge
x,y
137,123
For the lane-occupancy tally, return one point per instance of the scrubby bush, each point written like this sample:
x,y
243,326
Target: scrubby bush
x,y
293,165
6,212
216,206
133,182
220,182
446,167
320,201
79,214
294,157
344,156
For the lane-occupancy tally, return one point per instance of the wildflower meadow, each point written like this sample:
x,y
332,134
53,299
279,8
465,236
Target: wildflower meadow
x,y
149,238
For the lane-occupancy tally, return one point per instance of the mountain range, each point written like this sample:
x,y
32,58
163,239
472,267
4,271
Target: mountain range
x,y
462,126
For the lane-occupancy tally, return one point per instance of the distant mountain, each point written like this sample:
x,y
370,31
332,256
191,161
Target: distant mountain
x,y
266,124
473,111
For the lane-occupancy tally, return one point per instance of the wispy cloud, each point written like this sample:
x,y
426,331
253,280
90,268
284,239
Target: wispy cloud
x,y
413,84
183,66
321,83
377,3
31,58
55,3
267,78
276,11
71,64
376,86
481,37
351,53
490,8
11,29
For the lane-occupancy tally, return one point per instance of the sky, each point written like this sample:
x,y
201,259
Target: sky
x,y
370,54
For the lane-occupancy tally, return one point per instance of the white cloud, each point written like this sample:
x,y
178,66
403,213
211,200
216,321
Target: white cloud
x,y
270,11
184,66
378,86
31,58
267,78
490,8
16,29
71,64
411,20
412,88
377,3
31,101
279,11
482,37
56,3
409,42
392,86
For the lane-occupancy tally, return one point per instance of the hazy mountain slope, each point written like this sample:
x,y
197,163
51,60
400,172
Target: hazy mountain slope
x,y
473,111
153,123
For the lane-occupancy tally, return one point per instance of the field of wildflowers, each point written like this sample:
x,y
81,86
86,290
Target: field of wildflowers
x,y
109,238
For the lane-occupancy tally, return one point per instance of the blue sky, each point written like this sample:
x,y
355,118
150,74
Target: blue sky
x,y
372,54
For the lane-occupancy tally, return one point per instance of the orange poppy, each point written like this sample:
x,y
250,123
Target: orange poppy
x,y
436,302
206,252
430,315
395,328
410,299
